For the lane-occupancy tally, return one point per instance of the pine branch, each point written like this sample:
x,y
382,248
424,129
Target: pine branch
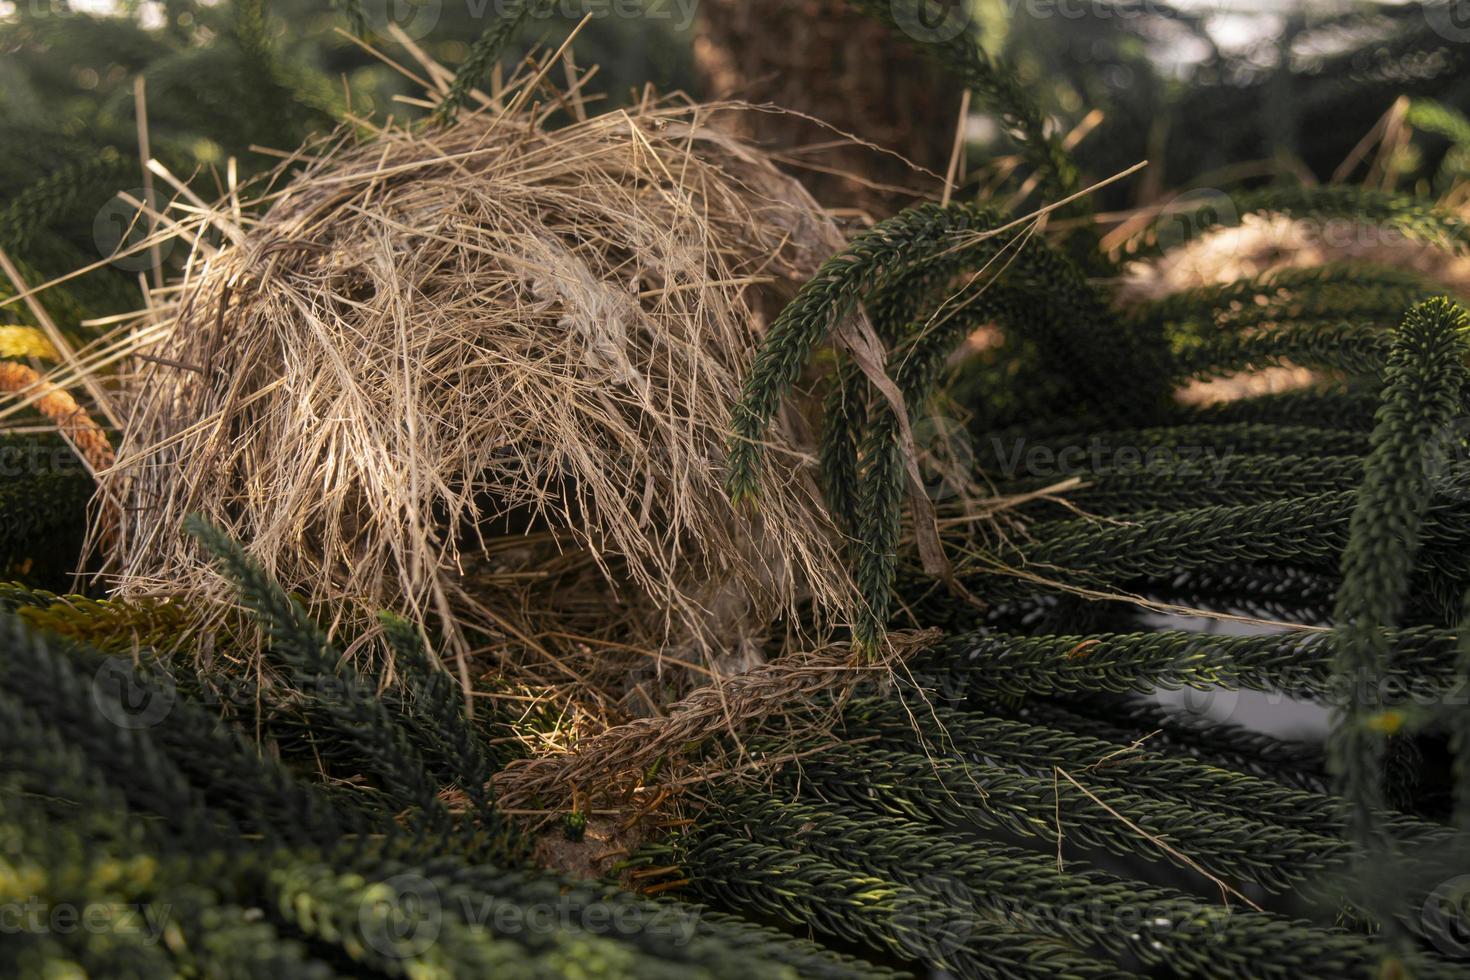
x,y
354,708
1410,217
485,52
927,234
1189,483
777,882
1228,746
1348,409
1161,927
39,506
1424,391
682,935
1349,347
1420,659
952,793
92,714
1329,293
1133,767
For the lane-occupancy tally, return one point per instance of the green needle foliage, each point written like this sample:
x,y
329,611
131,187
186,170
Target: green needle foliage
x,y
1023,725
1013,801
1332,520
800,888
314,664
928,277
1402,218
1159,927
1430,116
485,53
1424,391
1335,292
123,791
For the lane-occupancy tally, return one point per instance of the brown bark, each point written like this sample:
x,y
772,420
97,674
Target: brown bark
x,y
824,59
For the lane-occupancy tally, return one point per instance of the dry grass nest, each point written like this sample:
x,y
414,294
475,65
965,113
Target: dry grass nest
x,y
482,374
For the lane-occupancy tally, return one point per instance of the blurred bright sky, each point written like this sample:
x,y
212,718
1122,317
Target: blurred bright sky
x,y
1234,24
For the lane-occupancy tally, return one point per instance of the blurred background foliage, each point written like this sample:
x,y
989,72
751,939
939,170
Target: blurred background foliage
x,y
223,77
1213,89
1213,92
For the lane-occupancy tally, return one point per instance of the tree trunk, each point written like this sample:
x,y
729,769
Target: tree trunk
x,y
824,59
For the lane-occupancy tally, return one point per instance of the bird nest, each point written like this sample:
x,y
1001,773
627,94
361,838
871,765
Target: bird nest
x,y
482,373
